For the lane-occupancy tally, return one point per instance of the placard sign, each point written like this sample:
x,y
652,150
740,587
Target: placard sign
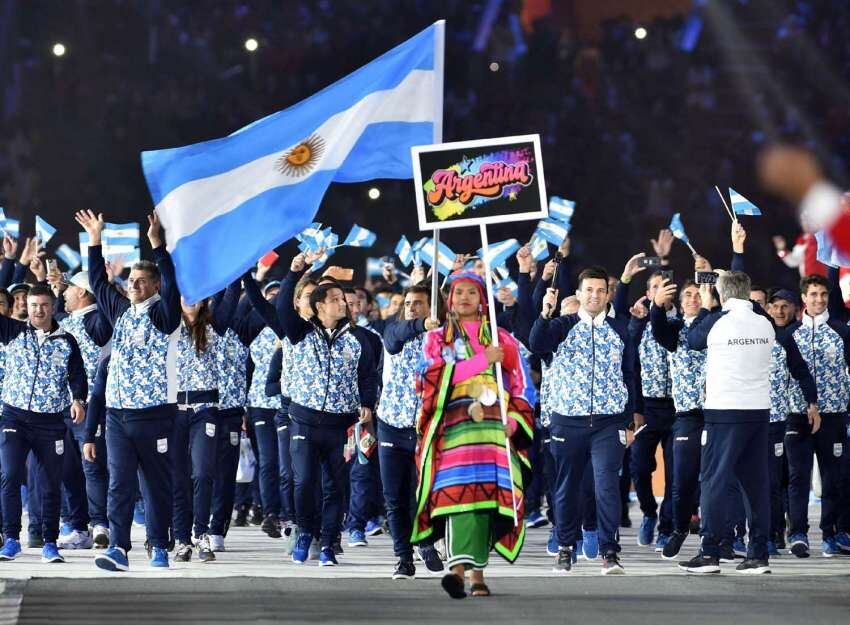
x,y
469,183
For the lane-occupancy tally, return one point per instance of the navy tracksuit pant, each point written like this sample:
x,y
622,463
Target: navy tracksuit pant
x,y
96,474
139,443
588,492
397,460
226,464
44,435
266,449
74,480
735,453
686,434
317,454
287,494
536,488
829,443
193,448
776,463
572,446
660,416
365,498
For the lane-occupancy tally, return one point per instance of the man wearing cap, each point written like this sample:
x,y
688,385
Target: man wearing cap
x,y
43,362
782,307
141,393
92,331
18,293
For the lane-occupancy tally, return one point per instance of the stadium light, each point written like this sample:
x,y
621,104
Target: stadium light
x,y
374,193
251,44
640,32
494,67
59,49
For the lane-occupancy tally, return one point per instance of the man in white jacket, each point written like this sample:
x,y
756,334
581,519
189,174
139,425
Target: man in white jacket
x,y
739,343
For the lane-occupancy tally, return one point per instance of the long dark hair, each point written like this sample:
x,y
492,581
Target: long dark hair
x,y
198,327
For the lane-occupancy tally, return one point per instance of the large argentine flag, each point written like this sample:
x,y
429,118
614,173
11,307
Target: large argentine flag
x,y
226,202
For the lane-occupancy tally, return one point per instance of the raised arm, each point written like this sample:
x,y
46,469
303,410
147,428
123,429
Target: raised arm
x,y
109,300
166,313
664,331
621,297
224,307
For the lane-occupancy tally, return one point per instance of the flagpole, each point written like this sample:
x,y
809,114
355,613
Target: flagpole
x,y
725,205
691,247
439,69
494,333
435,274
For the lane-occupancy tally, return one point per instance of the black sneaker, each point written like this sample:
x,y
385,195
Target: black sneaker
x,y
337,547
780,541
256,517
693,527
673,546
751,566
611,564
432,559
241,519
727,552
271,526
404,570
182,552
701,564
35,541
204,549
625,520
564,560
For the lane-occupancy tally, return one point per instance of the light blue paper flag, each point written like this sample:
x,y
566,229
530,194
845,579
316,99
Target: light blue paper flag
x,y
445,256
500,252
561,209
539,247
84,250
509,284
827,253
374,267
741,205
404,251
678,228
12,227
68,256
553,231
43,230
360,237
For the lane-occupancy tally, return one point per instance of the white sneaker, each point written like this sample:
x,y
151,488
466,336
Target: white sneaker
x,y
100,536
216,543
75,540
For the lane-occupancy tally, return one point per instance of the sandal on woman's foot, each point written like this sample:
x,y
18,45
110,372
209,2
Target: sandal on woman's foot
x,y
479,590
453,585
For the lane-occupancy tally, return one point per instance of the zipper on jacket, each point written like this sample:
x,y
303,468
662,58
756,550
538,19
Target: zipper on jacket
x,y
592,369
35,374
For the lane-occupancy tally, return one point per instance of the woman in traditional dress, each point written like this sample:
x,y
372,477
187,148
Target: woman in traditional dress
x,y
465,494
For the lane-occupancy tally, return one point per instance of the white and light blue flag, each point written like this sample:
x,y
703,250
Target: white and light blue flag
x,y
539,247
374,267
561,209
121,241
741,205
500,252
226,202
404,251
678,228
68,256
84,250
43,230
445,256
11,227
360,237
827,252
553,231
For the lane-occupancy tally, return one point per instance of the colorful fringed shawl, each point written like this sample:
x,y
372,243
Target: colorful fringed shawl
x,y
462,462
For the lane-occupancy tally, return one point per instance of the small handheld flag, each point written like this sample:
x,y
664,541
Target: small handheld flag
x,y
561,209
741,205
43,230
827,252
68,256
553,231
360,237
445,257
12,227
500,252
374,267
84,250
404,251
539,247
678,230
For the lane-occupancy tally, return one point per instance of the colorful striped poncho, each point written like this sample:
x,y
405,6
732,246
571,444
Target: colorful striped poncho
x,y
463,463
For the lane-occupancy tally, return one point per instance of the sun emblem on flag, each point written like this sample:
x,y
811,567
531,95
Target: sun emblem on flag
x,y
302,159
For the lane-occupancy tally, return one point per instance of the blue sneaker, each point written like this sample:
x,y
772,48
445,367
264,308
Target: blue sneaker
x,y
842,539
552,545
113,559
159,558
302,548
11,549
65,529
356,538
830,548
590,544
739,547
798,545
327,557
660,541
535,519
646,533
50,554
139,514
374,527
772,551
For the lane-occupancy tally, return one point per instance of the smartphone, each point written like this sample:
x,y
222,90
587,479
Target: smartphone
x,y
649,261
640,429
705,277
667,274
51,264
